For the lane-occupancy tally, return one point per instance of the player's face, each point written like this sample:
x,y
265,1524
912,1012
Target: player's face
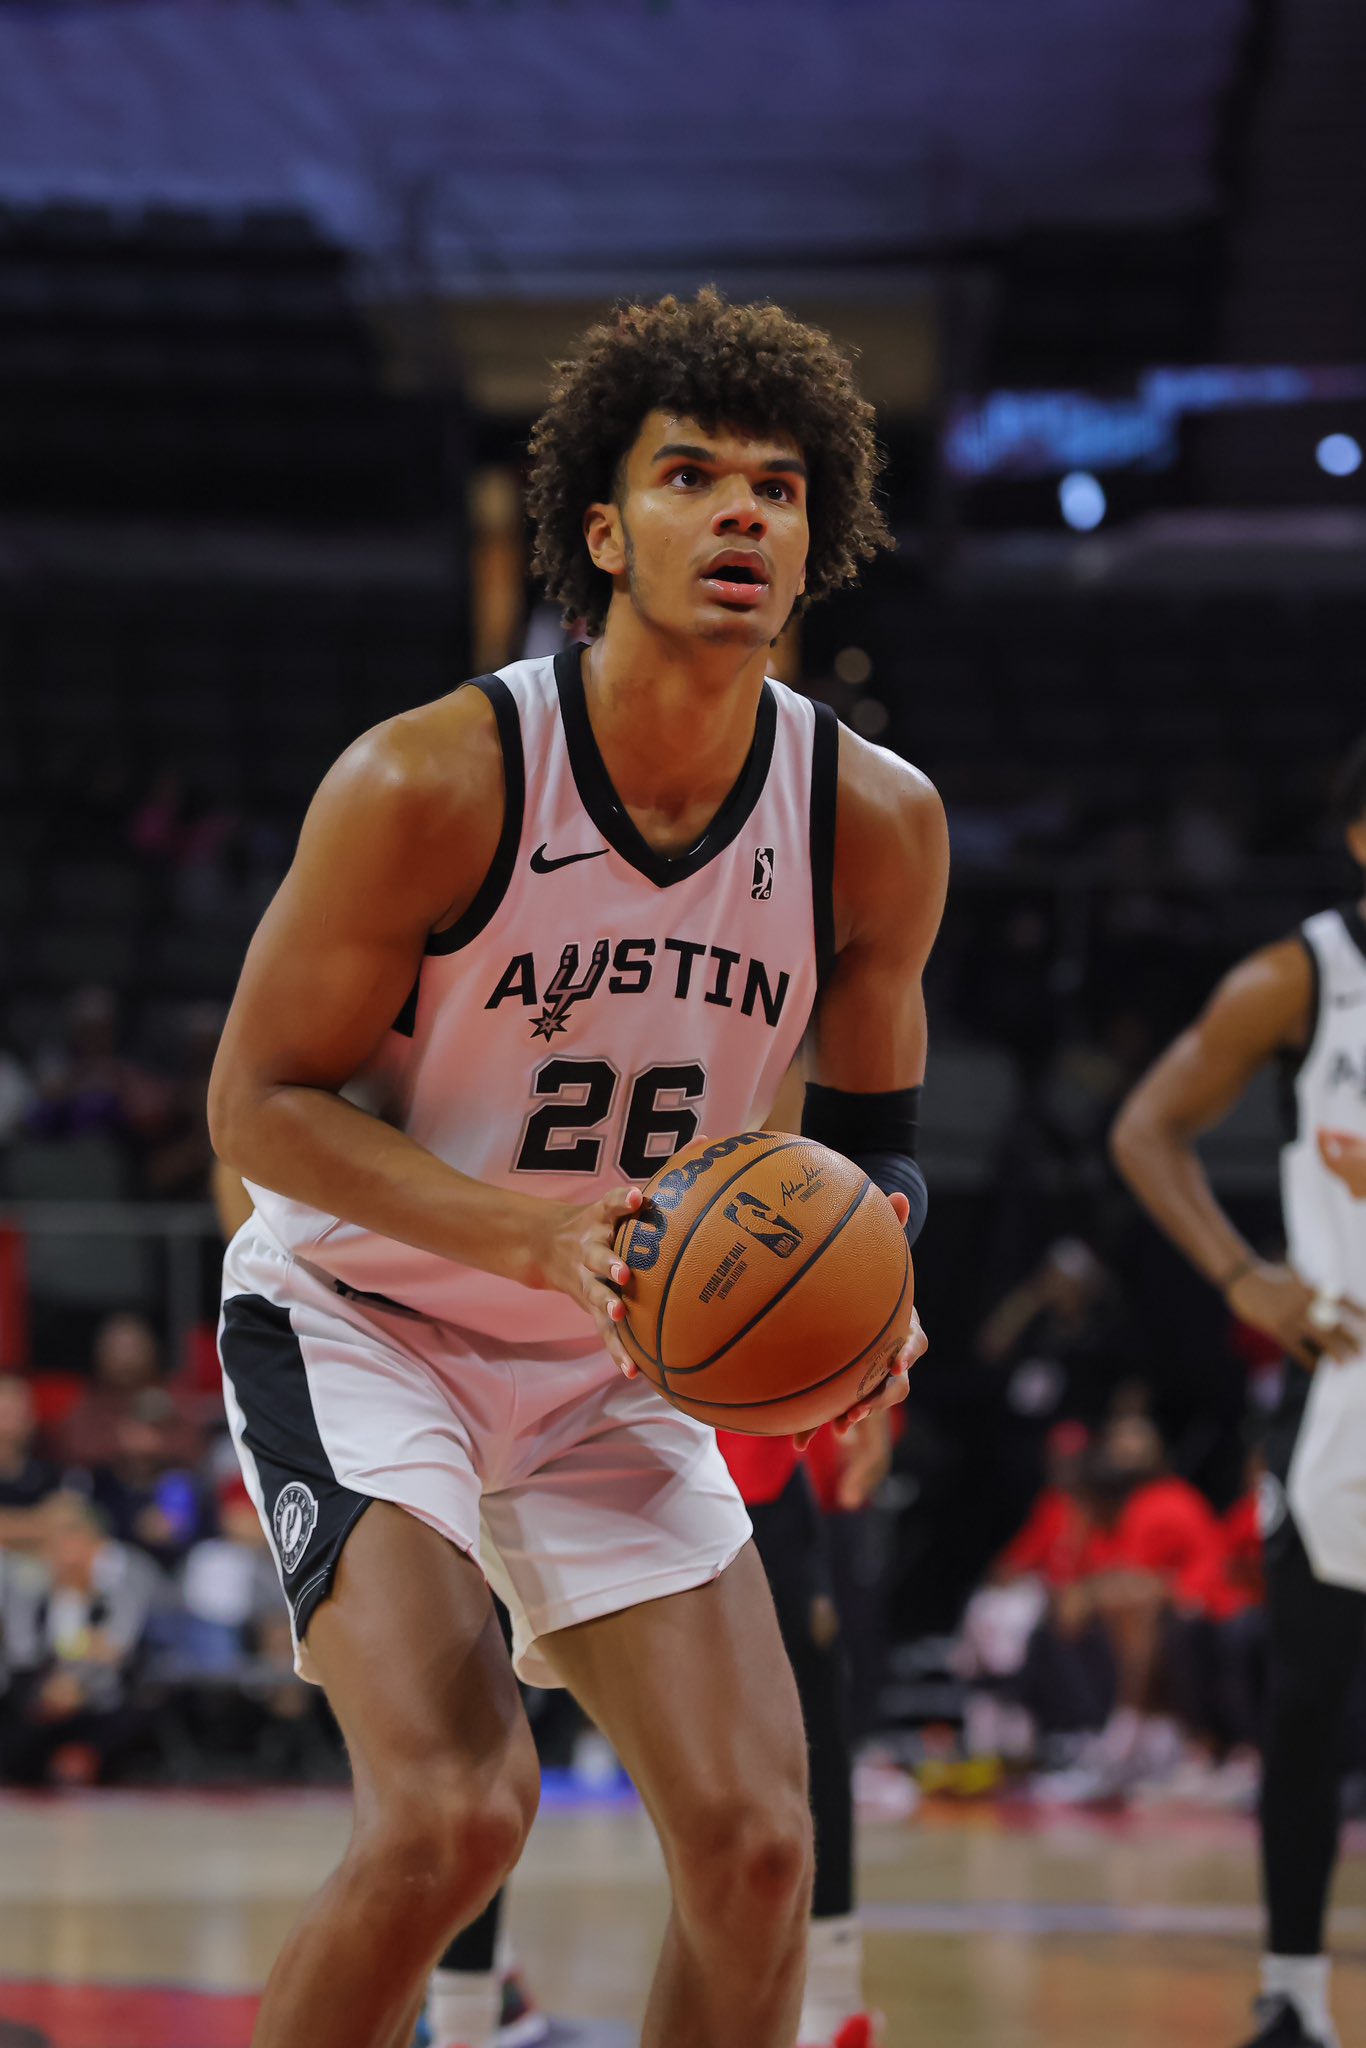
x,y
709,538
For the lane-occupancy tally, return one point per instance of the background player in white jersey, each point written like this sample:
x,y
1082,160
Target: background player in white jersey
x,y
534,933
1301,1003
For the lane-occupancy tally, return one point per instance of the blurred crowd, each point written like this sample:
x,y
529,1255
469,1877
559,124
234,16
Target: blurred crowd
x,y
141,1626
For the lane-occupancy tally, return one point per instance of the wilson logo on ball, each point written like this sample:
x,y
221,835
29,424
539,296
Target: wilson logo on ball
x,y
649,1228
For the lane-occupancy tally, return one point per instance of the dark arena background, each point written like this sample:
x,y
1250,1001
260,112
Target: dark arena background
x,y
280,285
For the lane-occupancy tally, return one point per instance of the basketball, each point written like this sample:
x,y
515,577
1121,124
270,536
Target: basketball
x,y
771,1284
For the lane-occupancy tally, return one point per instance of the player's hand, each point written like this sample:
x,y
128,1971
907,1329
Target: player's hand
x,y
890,1394
1345,1156
577,1257
865,1459
1273,1298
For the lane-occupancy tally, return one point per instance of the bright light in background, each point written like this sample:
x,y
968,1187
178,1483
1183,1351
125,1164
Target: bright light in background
x,y
1339,454
1082,500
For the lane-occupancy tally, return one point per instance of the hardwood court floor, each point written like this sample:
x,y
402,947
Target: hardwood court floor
x,y
987,1928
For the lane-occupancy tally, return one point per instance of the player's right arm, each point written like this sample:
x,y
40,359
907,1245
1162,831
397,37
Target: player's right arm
x,y
1263,1008
396,843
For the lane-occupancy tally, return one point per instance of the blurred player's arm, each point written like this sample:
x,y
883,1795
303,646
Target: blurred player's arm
x,y
1261,1009
396,843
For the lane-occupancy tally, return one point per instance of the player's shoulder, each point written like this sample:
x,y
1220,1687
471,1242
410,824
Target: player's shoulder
x,y
1268,998
433,760
882,796
1284,967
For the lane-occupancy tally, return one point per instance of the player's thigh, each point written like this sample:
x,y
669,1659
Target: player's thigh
x,y
411,1654
696,1694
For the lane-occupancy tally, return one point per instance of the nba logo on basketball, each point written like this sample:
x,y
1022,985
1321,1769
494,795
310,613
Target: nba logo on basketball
x,y
762,886
763,1224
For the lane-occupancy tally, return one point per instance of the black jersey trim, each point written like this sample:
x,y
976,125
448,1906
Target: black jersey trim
x,y
825,769
493,888
610,815
1290,1063
1356,926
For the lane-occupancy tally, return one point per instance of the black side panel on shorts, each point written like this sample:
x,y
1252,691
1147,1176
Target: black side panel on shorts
x,y
493,888
310,1513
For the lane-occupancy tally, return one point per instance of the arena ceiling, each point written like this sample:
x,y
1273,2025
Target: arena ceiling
x,y
578,146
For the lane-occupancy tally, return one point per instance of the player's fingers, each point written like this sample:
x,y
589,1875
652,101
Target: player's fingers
x,y
1342,1342
612,1344
916,1345
851,1416
902,1206
601,1300
893,1390
603,1263
802,1438
621,1202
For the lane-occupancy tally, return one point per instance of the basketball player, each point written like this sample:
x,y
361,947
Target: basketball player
x,y
1300,1003
532,934
468,1985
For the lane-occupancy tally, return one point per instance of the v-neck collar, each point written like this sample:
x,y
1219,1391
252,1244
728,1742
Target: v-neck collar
x,y
610,815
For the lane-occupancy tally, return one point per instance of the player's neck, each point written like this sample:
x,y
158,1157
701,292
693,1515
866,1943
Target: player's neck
x,y
672,720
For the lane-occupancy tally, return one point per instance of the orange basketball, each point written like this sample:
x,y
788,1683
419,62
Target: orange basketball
x,y
771,1285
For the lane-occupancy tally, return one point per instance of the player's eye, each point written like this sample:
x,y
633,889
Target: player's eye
x,y
686,477
776,484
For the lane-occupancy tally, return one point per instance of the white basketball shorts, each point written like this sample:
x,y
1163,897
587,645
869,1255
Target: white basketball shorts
x,y
1326,1482
579,1492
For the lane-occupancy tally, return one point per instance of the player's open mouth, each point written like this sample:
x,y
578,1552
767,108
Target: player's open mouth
x,y
737,580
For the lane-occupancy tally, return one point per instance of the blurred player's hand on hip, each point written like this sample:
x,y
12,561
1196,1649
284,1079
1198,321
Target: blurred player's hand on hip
x,y
1345,1156
1274,1299
576,1256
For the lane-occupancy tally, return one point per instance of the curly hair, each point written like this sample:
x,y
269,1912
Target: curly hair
x,y
754,368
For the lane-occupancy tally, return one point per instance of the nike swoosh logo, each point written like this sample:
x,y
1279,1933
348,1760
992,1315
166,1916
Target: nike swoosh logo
x,y
541,866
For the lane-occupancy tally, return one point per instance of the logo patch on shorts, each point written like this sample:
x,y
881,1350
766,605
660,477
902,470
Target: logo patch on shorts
x,y
295,1519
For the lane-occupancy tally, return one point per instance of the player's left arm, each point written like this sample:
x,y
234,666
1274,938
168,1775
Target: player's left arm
x,y
866,1054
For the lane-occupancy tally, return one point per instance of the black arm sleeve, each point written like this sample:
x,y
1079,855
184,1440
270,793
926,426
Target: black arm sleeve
x,y
878,1132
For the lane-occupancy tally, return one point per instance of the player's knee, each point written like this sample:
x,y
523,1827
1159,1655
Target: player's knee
x,y
446,1844
741,1862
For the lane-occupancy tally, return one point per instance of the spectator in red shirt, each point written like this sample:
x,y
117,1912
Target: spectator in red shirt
x,y
1154,1558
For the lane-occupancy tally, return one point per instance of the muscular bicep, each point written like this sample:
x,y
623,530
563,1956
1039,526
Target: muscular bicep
x,y
1258,1011
337,953
891,874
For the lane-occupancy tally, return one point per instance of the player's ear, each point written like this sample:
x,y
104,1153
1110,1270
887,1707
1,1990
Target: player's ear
x,y
602,530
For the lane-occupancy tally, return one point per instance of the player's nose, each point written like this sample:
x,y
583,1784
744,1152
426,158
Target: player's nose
x,y
739,511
